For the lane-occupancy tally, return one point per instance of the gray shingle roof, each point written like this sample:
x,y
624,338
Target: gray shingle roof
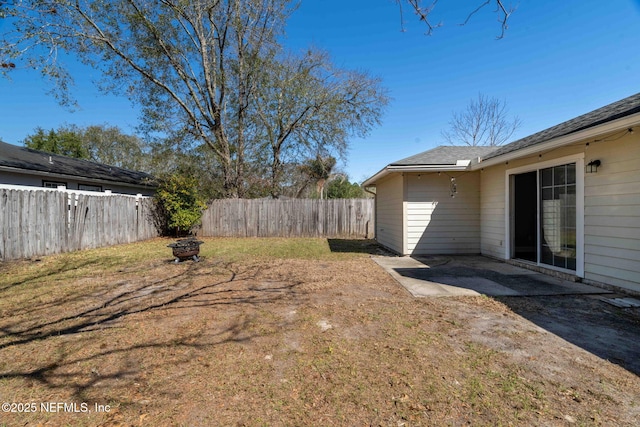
x,y
28,159
449,155
617,110
445,155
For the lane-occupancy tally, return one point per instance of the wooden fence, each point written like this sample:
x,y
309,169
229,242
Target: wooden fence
x,y
349,218
40,222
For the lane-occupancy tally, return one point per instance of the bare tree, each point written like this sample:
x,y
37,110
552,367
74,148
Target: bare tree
x,y
305,105
485,121
190,65
194,67
424,13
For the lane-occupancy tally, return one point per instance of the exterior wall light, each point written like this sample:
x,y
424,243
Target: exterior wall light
x,y
592,166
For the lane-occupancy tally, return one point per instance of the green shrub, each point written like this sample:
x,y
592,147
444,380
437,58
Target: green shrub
x,y
179,205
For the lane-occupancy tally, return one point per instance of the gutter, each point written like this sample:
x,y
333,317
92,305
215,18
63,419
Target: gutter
x,y
609,127
369,191
367,183
462,165
627,122
34,172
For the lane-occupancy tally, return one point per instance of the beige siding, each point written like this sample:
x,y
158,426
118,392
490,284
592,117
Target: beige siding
x,y
611,209
492,210
492,206
438,223
389,212
612,213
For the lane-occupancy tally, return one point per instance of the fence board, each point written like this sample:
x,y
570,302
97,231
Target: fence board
x,y
39,222
346,218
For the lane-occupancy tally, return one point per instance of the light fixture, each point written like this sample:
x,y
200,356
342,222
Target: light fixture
x,y
592,166
454,188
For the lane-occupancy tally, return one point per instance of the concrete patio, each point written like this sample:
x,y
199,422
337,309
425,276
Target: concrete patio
x,y
435,276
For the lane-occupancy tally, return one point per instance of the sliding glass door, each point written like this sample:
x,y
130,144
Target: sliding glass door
x,y
558,216
544,216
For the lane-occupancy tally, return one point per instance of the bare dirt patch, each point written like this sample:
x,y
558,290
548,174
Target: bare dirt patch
x,y
270,334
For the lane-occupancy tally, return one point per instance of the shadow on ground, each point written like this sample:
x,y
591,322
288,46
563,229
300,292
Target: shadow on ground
x,y
576,312
586,321
362,246
67,343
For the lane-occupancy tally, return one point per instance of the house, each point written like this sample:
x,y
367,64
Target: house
x,y
20,166
566,199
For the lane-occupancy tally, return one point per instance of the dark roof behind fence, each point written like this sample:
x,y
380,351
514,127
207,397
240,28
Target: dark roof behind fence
x,y
33,160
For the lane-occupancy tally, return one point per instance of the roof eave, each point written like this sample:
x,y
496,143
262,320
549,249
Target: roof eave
x,y
609,127
76,177
411,168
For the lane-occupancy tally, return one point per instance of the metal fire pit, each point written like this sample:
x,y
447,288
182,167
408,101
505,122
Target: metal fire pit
x,y
186,248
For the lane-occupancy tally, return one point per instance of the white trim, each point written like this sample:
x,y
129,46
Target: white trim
x,y
78,178
68,191
376,177
580,136
422,168
415,168
578,159
580,216
547,164
405,219
539,217
509,197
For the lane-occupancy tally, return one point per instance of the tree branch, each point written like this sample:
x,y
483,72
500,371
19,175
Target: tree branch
x,y
499,8
423,14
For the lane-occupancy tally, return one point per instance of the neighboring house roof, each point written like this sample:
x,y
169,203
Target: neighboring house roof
x,y
446,155
25,159
617,110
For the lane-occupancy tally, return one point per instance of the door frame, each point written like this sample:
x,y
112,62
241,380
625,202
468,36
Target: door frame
x,y
578,159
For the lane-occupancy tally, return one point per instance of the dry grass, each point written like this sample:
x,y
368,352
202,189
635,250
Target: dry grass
x,y
280,332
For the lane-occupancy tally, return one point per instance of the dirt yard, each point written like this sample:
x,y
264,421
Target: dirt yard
x,y
285,332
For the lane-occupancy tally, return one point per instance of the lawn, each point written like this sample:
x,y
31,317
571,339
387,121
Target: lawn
x,y
278,332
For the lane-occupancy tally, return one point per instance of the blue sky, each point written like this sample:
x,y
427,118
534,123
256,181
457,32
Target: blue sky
x,y
557,60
